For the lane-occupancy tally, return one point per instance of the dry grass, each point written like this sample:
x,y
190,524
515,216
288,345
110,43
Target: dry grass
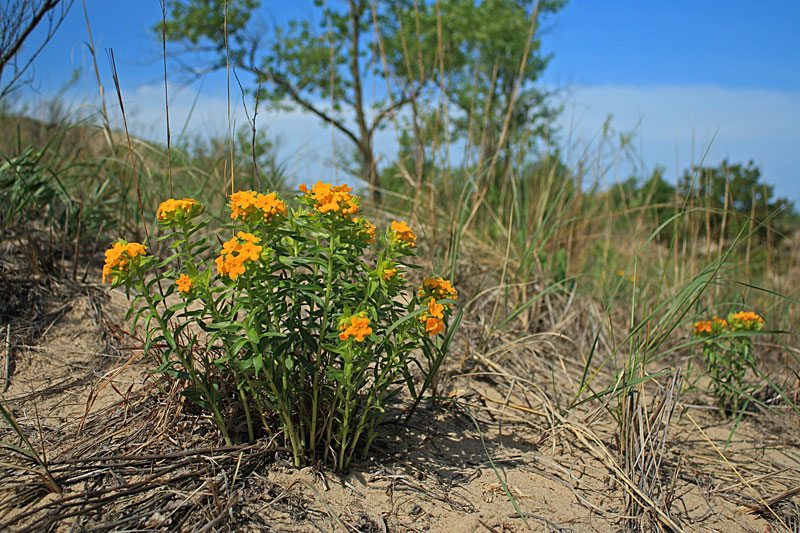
x,y
128,454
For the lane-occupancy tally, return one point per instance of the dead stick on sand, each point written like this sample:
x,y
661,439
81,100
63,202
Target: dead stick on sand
x,y
760,508
7,359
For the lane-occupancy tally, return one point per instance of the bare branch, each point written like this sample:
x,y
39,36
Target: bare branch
x,y
19,19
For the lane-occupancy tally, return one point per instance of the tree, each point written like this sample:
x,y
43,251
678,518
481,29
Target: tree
x,y
737,188
478,52
325,70
298,67
18,20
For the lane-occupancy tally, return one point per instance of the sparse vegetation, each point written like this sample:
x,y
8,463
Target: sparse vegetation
x,y
587,366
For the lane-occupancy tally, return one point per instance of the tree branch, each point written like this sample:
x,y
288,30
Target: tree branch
x,y
392,108
37,18
14,49
302,102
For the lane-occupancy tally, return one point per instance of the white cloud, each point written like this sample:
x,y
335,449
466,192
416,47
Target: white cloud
x,y
749,124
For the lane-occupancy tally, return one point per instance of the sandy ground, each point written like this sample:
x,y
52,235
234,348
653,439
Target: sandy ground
x,y
499,457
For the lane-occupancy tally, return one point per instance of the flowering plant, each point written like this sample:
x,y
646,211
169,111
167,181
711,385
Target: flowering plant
x,y
290,328
728,353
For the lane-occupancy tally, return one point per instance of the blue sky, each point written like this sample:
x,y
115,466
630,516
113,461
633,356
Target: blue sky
x,y
674,73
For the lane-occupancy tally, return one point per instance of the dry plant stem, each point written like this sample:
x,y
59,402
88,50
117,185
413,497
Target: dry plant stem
x,y
763,503
7,359
222,514
760,508
128,137
583,434
166,91
228,89
28,450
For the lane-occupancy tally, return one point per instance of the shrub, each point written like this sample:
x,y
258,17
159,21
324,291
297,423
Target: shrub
x,y
291,325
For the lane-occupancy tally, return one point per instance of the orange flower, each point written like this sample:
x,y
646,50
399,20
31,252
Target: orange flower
x,y
747,316
119,258
185,284
356,326
249,206
236,252
434,326
434,309
329,198
403,234
389,273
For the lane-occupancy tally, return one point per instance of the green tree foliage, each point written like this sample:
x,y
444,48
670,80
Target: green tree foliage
x,y
475,52
737,188
319,69
728,197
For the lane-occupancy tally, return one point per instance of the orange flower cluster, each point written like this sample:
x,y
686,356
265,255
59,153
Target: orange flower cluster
x,y
356,326
743,320
175,210
332,198
701,328
369,231
389,273
185,285
118,259
433,319
236,252
249,206
704,328
747,316
403,234
439,288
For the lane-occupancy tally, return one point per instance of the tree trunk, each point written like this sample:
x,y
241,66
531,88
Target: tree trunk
x,y
369,172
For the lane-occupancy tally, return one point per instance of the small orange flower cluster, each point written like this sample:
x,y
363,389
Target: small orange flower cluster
x,y
431,290
249,206
747,318
235,252
403,234
332,198
356,326
118,259
705,328
369,232
389,273
439,288
176,210
185,285
433,318
743,320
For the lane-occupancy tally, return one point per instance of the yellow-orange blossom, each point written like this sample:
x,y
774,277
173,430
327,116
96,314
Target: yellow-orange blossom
x,y
358,328
119,256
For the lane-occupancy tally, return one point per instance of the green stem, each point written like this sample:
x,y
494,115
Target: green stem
x,y
246,406
318,363
199,383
